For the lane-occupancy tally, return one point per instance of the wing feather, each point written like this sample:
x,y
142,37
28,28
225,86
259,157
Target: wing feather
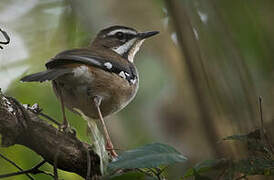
x,y
55,67
50,74
85,56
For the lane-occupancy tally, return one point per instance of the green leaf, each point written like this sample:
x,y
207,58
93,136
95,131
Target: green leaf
x,y
253,142
199,177
236,137
148,156
129,175
254,135
205,166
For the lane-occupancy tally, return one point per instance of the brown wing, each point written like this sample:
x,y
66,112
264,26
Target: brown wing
x,y
88,57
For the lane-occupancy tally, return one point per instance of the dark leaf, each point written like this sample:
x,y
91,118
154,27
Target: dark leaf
x,y
254,135
205,166
253,142
148,156
199,177
255,166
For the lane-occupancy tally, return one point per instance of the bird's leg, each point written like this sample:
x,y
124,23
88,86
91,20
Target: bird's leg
x,y
109,145
65,124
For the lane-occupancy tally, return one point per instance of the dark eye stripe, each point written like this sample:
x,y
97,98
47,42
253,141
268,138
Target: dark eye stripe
x,y
121,36
129,36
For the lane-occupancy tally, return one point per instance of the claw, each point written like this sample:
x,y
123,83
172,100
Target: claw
x,y
67,130
110,149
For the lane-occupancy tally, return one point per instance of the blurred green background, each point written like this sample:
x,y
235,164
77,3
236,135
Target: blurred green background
x,y
190,105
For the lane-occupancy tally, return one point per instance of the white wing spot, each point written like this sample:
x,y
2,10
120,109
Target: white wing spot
x,y
122,74
126,74
133,81
108,65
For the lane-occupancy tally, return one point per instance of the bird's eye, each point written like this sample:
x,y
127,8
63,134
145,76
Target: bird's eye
x,y
119,35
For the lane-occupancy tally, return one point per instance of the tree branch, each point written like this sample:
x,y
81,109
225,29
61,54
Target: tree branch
x,y
21,126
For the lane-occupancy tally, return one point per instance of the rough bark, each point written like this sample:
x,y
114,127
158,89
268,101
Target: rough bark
x,y
20,126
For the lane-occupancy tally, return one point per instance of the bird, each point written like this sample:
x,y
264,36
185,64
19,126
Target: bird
x,y
100,79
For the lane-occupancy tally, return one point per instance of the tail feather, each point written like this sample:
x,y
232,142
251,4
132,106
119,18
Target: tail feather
x,y
50,74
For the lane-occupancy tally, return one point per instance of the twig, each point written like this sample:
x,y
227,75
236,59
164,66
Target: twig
x,y
6,36
55,164
88,165
261,117
160,171
263,134
47,173
55,172
49,118
37,110
15,165
34,170
157,172
144,172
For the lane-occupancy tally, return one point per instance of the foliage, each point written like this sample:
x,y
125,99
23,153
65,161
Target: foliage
x,y
147,156
130,175
259,162
236,43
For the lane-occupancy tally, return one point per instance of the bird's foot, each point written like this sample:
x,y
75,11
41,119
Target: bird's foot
x,y
110,149
67,129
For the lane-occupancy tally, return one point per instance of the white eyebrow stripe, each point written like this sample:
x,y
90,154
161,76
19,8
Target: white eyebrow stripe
x,y
127,31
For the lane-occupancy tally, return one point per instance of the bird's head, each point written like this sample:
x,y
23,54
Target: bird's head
x,y
125,41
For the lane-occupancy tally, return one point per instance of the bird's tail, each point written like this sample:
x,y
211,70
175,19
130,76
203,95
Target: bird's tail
x,y
97,140
98,144
50,74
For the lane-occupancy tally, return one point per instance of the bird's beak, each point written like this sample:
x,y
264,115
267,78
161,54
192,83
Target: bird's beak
x,y
145,35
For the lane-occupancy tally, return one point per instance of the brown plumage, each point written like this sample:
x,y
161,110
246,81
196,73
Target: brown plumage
x,y
77,91
98,80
